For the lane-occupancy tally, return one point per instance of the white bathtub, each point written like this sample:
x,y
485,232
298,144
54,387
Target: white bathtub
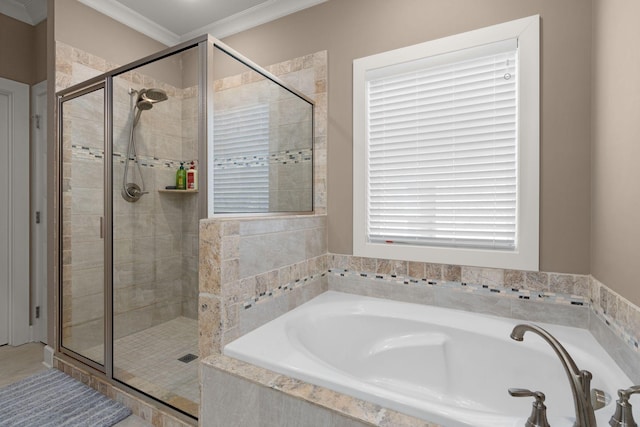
x,y
446,366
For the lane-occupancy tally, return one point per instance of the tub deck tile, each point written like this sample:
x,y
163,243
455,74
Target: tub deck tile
x,y
362,413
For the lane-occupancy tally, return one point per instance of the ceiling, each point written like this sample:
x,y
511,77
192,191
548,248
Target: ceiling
x,y
173,21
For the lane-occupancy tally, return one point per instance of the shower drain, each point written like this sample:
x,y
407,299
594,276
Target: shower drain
x,y
188,358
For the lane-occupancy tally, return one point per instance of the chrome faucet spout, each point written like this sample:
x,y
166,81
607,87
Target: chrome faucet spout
x,y
580,380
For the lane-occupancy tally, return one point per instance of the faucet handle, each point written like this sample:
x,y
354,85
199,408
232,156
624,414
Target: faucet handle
x,y
599,399
623,417
538,417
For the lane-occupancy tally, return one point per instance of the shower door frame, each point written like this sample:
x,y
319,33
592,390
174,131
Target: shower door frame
x,y
206,45
62,97
104,82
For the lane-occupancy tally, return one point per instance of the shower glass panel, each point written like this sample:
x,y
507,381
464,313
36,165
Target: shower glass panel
x,y
155,230
82,193
262,157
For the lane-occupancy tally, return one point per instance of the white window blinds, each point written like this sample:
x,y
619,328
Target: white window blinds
x,y
442,150
241,160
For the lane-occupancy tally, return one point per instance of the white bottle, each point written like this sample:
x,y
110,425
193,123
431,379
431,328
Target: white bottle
x,y
192,177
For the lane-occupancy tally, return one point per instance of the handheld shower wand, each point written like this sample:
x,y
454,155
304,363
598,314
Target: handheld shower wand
x,y
131,191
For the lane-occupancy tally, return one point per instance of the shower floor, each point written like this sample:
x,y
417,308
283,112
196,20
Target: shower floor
x,y
148,361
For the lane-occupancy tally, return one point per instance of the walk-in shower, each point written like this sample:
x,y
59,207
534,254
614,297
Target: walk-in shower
x,y
128,272
145,98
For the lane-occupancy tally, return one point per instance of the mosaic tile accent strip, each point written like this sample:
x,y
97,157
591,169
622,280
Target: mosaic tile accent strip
x,y
302,156
280,290
281,158
514,293
522,294
89,153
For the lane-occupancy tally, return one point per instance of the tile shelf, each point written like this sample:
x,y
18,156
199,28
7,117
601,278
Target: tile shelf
x,y
164,190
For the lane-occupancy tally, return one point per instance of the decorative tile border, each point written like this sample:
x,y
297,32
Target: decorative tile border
x,y
89,153
280,158
280,290
514,293
392,279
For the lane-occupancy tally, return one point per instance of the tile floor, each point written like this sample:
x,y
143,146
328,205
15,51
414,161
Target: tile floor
x,y
20,362
148,361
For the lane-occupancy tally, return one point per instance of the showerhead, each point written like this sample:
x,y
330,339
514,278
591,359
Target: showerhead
x,y
143,104
146,99
151,96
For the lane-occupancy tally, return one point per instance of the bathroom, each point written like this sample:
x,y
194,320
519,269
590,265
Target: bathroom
x,y
588,238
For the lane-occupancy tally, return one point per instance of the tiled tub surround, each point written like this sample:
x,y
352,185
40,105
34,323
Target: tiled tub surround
x,y
572,300
566,299
443,365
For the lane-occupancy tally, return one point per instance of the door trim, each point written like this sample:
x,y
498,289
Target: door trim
x,y
39,204
16,180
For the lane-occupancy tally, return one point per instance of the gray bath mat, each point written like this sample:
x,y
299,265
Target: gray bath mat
x,y
53,399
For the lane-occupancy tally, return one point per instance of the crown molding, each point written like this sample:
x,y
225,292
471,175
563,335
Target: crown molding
x,y
134,20
252,17
37,10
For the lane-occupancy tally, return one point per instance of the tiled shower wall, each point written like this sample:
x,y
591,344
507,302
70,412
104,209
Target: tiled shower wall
x,y
155,239
190,211
308,74
289,153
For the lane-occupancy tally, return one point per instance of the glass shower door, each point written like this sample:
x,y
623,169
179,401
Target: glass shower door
x,y
82,218
155,230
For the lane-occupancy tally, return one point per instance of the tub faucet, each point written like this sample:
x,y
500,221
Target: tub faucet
x,y
580,380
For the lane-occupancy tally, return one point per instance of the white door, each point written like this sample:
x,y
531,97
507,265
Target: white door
x,y
38,211
14,212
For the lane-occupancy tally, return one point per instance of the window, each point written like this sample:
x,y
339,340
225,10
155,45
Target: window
x,y
446,150
241,160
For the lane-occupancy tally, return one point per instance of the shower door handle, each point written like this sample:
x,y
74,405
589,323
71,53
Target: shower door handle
x,y
102,227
